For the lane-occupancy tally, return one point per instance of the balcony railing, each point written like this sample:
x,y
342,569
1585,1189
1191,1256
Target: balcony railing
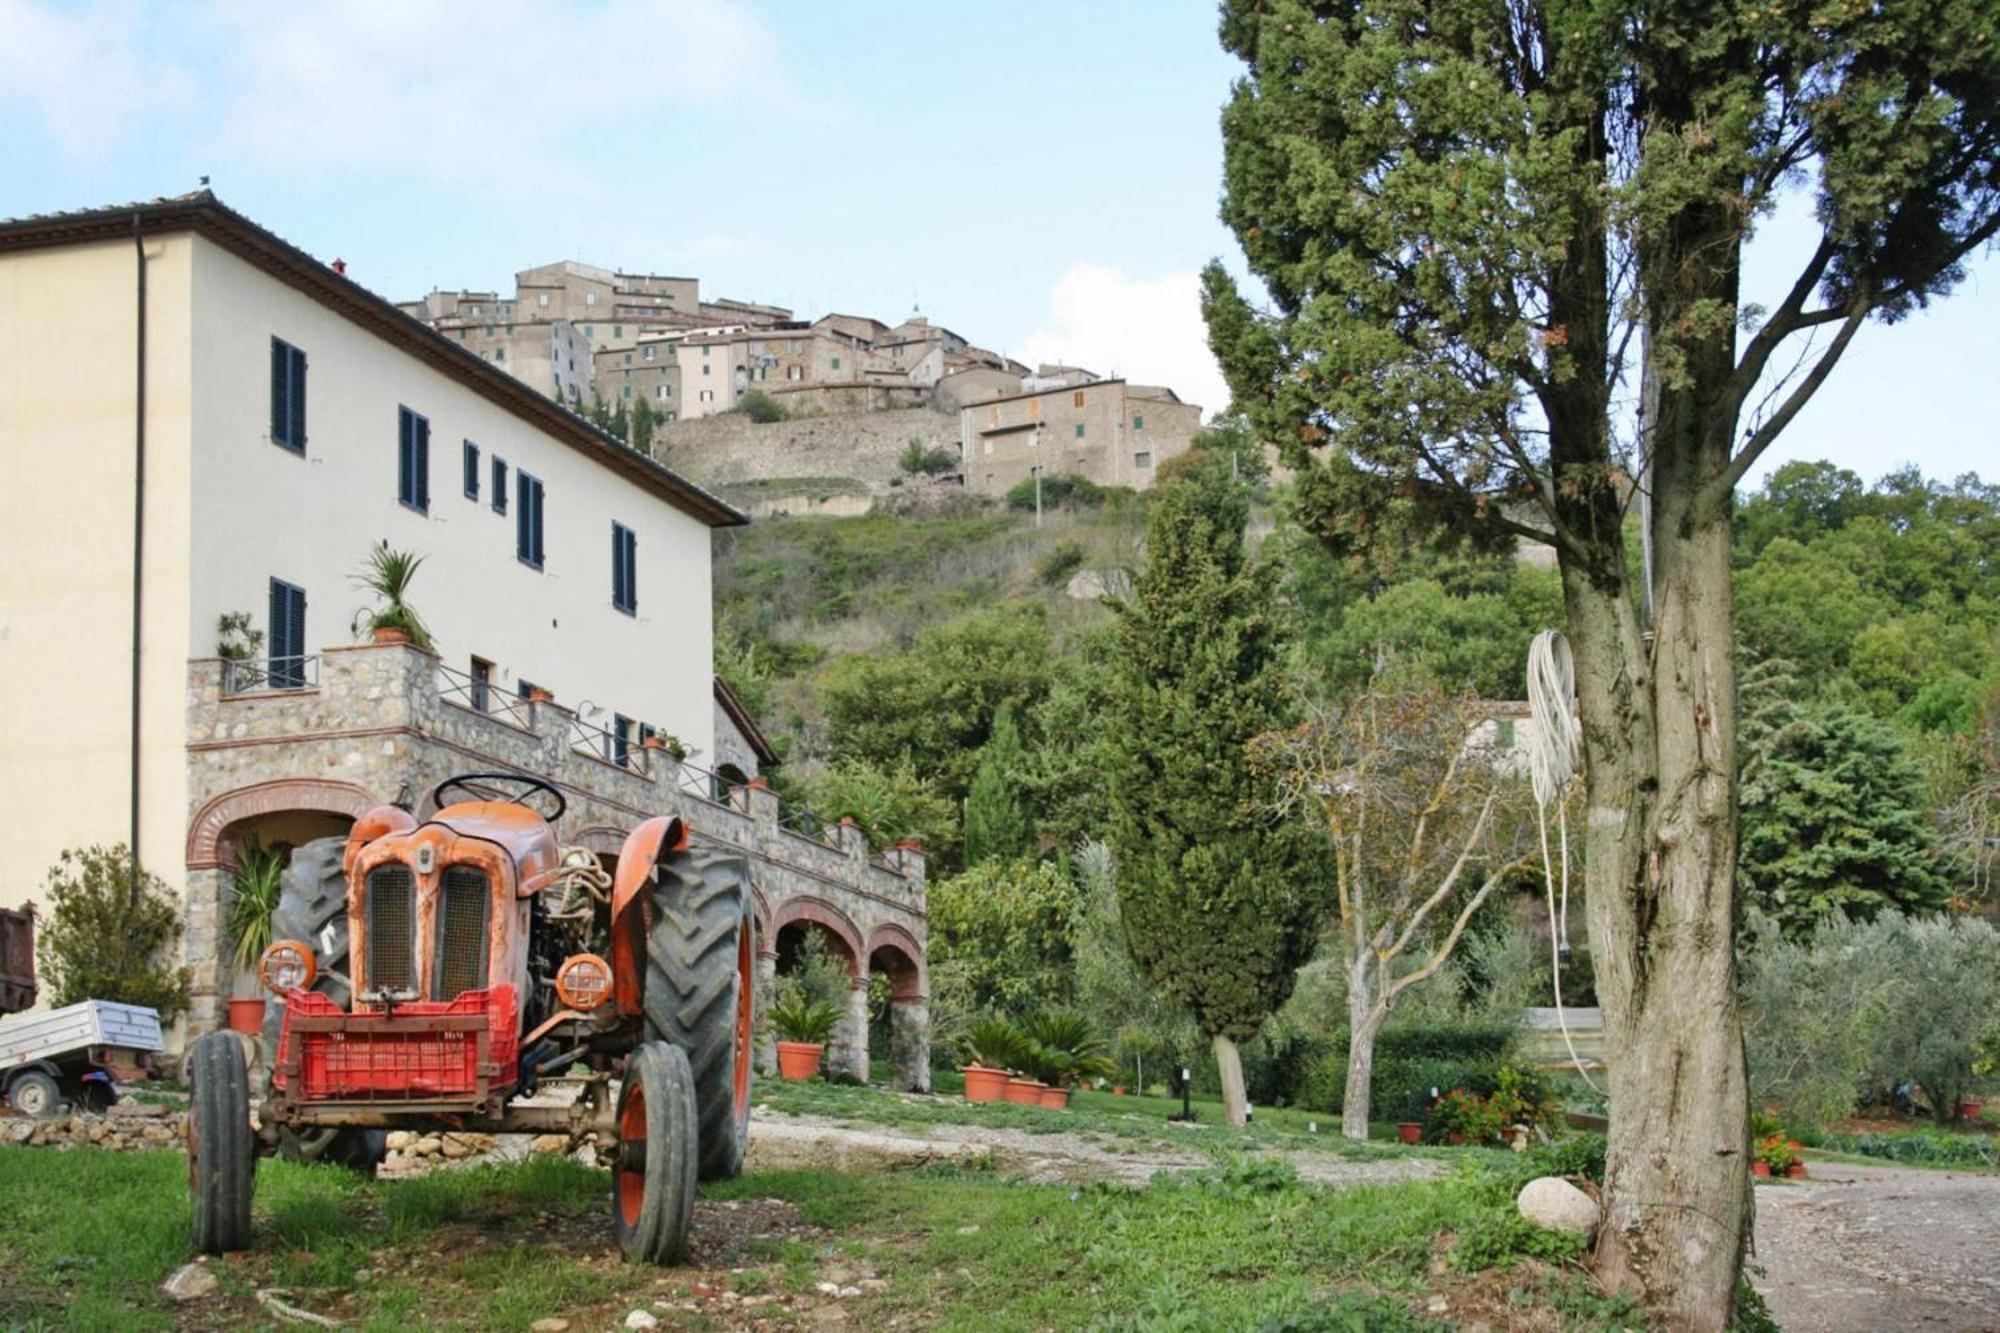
x,y
262,674
468,691
614,749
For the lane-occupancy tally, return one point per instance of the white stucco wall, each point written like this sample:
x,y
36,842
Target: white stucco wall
x,y
260,511
68,321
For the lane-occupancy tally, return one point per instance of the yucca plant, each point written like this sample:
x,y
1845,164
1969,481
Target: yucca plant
x,y
804,1019
1067,1048
256,885
388,574
995,1042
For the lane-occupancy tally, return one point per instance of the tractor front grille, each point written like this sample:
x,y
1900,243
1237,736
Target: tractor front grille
x,y
391,962
461,933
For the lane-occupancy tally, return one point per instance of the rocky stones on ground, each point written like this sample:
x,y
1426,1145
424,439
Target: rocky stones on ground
x,y
641,1319
1552,1202
119,1133
549,1325
190,1282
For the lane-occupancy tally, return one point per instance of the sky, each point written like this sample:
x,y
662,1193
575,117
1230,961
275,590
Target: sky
x,y
1042,178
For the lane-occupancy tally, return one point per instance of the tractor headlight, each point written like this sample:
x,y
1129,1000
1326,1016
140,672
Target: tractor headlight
x,y
286,966
583,982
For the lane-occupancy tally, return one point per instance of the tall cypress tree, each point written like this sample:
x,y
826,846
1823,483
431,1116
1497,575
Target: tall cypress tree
x,y
1220,902
996,819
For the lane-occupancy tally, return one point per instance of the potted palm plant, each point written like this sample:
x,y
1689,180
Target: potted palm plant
x,y
993,1046
1066,1049
388,574
803,1024
255,886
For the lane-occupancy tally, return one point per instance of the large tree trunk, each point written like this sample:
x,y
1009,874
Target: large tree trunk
x,y
1362,1025
1235,1104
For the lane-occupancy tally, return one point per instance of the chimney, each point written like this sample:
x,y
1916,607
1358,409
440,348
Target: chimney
x,y
340,267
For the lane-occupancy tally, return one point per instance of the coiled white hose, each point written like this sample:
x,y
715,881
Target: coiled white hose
x,y
1555,752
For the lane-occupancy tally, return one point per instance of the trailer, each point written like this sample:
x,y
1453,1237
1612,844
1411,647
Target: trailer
x,y
74,1054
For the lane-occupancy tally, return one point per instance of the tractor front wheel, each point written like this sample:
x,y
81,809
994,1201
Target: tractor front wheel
x,y
221,1164
652,1174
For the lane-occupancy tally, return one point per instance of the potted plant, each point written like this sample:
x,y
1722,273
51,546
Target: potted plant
x,y
1468,1118
1774,1156
1410,1131
1023,1091
803,1024
1065,1048
993,1046
256,883
388,574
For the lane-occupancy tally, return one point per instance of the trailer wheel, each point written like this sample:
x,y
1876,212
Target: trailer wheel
x,y
653,1174
221,1165
701,953
34,1094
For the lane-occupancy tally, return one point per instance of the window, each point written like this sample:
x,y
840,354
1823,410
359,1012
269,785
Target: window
x,y
287,670
628,391
1079,430
528,521
649,353
288,396
471,460
525,688
708,395
624,568
499,485
413,460
1144,458
590,331
621,739
1079,398
499,354
666,391
541,298
590,298
482,684
836,363
1138,423
618,330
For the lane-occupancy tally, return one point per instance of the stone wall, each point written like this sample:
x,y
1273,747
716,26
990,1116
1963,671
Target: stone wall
x,y
382,724
863,447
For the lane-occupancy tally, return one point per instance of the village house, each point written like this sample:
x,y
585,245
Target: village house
x,y
1105,430
258,423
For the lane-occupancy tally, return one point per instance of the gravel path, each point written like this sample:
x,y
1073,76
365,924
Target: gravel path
x,y
1865,1247
788,1140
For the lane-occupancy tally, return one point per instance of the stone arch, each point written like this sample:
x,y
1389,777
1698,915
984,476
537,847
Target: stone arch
x,y
323,795
902,959
803,907
603,839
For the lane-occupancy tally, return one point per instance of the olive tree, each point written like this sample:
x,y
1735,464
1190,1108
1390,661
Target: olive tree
x,y
1472,219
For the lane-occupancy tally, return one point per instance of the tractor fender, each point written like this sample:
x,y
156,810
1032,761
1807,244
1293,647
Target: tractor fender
x,y
645,847
378,822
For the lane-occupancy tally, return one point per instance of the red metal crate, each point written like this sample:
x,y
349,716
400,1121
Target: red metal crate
x,y
424,1050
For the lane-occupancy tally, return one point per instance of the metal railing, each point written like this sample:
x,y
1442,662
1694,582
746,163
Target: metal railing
x,y
262,674
468,691
618,751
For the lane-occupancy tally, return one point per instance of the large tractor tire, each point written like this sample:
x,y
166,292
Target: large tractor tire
x,y
221,1164
313,907
653,1174
701,955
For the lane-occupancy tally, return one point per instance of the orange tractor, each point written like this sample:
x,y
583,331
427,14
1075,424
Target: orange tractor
x,y
468,974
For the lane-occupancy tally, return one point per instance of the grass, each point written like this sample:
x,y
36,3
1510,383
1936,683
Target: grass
x,y
1132,1119
91,1235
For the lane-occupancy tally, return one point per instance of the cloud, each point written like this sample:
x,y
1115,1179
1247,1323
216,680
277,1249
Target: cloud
x,y
505,91
1149,330
84,71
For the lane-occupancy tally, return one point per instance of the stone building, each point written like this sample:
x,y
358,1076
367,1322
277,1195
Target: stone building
x,y
1111,432
290,422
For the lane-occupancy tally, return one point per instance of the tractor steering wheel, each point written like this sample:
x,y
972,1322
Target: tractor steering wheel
x,y
524,786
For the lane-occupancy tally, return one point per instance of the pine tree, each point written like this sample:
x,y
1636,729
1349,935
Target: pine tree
x,y
1219,901
997,826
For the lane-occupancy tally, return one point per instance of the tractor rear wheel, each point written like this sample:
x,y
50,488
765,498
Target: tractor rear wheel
x,y
701,955
653,1173
221,1164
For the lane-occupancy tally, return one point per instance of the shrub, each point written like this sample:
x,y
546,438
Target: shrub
x,y
995,1042
1409,1063
803,1018
1054,569
918,460
107,938
761,408
1063,492
255,887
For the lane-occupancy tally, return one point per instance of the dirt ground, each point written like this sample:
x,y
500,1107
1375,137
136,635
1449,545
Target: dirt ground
x,y
1866,1247
787,1140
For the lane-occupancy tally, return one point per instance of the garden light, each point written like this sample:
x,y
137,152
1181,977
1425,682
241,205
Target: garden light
x,y
583,982
287,965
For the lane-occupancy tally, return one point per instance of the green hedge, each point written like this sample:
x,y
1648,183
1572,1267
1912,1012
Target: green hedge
x,y
1409,1062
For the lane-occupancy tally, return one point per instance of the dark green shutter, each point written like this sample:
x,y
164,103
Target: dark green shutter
x,y
281,398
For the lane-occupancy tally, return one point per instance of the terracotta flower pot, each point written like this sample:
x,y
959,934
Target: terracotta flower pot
x,y
1454,1137
1117,1089
985,1085
1055,1099
1969,1108
1410,1131
799,1060
247,1015
539,695
1761,1170
386,634
1024,1091
1797,1171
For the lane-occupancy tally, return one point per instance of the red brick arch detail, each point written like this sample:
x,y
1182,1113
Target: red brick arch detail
x,y
823,913
204,843
911,980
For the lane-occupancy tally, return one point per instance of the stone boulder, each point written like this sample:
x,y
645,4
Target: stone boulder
x,y
1552,1202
